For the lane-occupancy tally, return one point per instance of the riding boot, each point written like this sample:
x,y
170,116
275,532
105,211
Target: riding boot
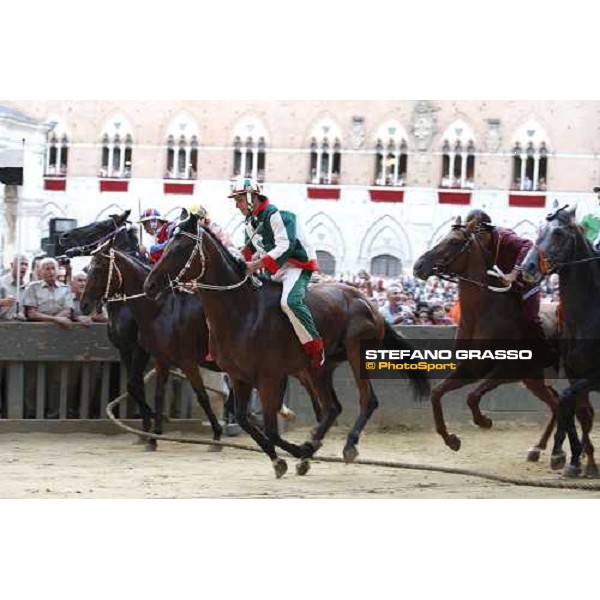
x,y
315,350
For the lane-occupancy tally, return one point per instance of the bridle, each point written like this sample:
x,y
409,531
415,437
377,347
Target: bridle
x,y
93,246
191,286
546,266
443,272
113,269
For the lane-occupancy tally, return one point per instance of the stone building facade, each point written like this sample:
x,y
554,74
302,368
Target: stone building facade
x,y
375,181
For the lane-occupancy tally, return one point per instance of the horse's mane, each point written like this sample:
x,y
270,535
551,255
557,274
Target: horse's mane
x,y
237,264
135,258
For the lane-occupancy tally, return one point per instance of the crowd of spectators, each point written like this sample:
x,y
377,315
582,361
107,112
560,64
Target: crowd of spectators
x,y
405,300
43,291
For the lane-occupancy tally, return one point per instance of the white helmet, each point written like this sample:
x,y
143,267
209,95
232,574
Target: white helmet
x,y
245,185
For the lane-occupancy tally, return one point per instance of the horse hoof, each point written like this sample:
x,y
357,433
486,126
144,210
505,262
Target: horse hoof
x,y
453,442
215,448
557,461
150,446
591,470
232,429
572,471
287,414
303,467
280,467
533,454
350,454
485,423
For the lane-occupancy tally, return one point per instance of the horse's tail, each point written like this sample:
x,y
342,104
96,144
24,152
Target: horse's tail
x,y
419,381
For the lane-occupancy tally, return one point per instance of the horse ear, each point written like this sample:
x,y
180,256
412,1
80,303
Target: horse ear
x,y
458,221
555,204
571,211
184,214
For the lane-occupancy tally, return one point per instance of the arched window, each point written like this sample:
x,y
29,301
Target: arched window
x,y
458,157
182,157
530,158
326,262
117,153
57,152
391,154
182,148
325,154
250,149
530,168
325,161
386,265
390,163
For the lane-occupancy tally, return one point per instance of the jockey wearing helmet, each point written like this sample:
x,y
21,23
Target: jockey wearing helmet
x,y
508,252
160,229
218,231
276,241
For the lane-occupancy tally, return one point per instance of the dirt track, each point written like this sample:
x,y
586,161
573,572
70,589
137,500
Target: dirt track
x,y
42,465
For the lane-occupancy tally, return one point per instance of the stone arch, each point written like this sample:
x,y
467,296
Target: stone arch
x,y
439,232
526,229
325,235
111,209
459,131
386,236
249,126
117,124
183,123
324,127
391,129
531,131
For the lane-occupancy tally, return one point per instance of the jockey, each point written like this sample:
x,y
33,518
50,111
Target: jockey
x,y
276,241
218,231
160,229
508,252
591,225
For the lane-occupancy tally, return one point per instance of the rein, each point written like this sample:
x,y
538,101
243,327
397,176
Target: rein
x,y
195,284
441,271
113,268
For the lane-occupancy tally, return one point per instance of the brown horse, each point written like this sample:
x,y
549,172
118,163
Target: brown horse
x,y
173,331
485,315
253,341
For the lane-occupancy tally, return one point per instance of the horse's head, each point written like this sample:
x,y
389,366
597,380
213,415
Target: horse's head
x,y
89,234
555,244
451,254
97,287
180,260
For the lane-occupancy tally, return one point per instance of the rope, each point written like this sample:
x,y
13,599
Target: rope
x,y
540,483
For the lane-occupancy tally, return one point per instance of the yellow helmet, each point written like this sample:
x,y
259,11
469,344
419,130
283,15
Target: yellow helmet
x,y
199,211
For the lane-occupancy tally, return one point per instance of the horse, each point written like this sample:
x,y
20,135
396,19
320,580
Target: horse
x,y
173,331
485,315
562,248
253,341
122,327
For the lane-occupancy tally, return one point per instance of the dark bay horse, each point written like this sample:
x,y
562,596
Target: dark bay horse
x,y
254,342
562,248
122,327
173,330
485,315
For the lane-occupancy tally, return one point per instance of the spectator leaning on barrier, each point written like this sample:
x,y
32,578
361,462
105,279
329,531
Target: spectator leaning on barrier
x,y
9,309
78,282
48,299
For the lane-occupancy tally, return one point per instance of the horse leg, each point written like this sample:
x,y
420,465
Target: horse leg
x,y
242,391
548,395
585,415
135,388
270,392
162,375
322,385
566,425
192,372
492,380
454,381
314,399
